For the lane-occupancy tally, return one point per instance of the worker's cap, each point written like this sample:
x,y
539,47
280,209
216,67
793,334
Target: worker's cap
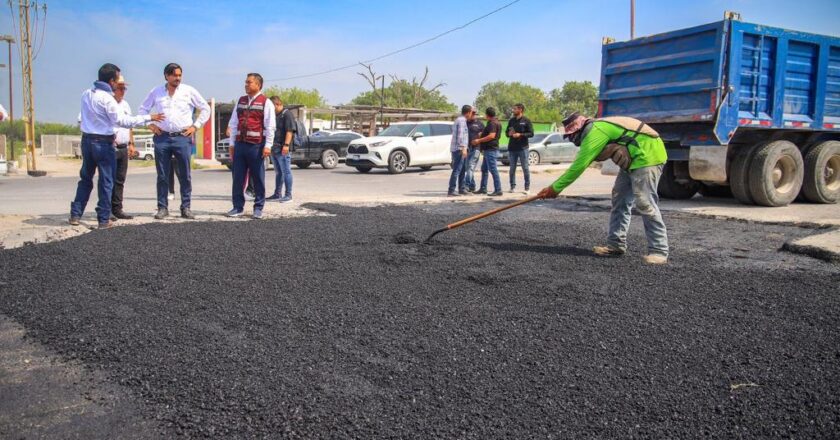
x,y
571,118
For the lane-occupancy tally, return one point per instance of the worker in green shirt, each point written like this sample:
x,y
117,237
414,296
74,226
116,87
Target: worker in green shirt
x,y
641,152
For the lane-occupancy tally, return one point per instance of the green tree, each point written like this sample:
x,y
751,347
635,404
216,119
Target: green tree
x,y
402,93
575,96
503,95
311,98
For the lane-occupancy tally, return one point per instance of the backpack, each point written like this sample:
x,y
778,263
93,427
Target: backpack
x,y
632,129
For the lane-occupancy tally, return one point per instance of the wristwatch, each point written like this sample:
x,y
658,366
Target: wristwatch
x,y
285,145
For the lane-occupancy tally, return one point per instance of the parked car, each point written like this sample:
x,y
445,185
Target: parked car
x,y
145,149
325,148
543,148
402,145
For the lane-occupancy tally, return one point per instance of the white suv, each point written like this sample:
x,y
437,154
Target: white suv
x,y
402,145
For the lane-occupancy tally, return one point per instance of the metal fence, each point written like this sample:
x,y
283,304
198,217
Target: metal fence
x,y
61,145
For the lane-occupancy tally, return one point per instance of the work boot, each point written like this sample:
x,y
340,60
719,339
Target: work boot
x,y
74,221
655,259
161,214
607,251
121,215
497,193
481,191
187,214
106,225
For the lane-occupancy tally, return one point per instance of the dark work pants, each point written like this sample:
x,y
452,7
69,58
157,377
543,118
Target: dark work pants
x,y
181,148
248,161
120,171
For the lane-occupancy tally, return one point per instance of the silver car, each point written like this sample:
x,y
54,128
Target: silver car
x,y
545,148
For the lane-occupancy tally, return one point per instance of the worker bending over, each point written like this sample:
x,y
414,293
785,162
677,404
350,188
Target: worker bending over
x,y
640,154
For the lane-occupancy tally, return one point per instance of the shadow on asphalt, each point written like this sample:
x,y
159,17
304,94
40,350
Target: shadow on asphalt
x,y
538,249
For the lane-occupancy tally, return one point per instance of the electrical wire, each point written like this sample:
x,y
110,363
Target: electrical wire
x,y
43,31
428,40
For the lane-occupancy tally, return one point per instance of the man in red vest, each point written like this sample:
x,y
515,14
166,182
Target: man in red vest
x,y
252,127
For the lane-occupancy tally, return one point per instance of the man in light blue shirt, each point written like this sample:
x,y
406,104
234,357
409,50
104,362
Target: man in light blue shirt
x,y
459,147
99,116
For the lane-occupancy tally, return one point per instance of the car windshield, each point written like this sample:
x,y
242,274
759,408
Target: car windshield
x,y
398,130
538,138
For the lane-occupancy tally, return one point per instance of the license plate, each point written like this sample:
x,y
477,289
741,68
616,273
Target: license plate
x,y
356,157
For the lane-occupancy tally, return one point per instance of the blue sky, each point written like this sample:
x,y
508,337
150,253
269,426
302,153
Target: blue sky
x,y
540,42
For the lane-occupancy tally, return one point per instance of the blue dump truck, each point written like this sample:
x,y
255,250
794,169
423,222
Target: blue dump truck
x,y
743,108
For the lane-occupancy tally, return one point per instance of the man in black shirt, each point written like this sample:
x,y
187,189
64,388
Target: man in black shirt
x,y
488,142
281,151
474,128
519,130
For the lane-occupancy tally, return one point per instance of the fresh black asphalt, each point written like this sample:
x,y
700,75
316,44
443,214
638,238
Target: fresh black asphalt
x,y
346,326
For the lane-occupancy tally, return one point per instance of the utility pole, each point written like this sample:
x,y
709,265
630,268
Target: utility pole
x,y
28,92
632,19
382,103
10,142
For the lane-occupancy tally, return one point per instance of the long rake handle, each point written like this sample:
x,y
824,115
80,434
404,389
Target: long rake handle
x,y
491,212
482,215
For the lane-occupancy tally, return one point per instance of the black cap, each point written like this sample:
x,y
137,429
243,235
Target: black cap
x,y
571,118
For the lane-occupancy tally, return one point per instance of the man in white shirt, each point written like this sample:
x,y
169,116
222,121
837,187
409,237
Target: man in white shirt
x,y
124,143
4,115
173,136
100,114
251,127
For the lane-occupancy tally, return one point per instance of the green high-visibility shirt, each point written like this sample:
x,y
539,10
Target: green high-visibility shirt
x,y
650,152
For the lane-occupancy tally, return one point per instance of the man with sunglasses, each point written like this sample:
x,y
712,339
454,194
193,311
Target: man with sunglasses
x,y
641,155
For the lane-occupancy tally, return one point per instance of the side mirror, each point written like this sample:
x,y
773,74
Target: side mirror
x,y
416,136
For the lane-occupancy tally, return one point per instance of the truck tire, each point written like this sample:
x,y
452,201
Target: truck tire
x,y
671,188
397,162
329,159
303,164
363,170
717,191
776,173
739,174
822,173
148,157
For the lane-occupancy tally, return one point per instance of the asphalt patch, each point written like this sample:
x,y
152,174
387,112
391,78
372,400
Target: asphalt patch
x,y
333,327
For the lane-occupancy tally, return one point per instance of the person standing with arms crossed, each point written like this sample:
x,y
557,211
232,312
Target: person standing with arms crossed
x,y
252,130
281,153
173,136
124,143
519,130
474,129
100,114
458,147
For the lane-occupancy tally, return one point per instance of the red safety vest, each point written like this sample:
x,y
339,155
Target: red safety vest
x,y
250,128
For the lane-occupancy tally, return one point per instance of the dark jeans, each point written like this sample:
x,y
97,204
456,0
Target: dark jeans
x,y
181,148
95,155
248,161
173,171
489,165
459,172
522,157
282,173
120,171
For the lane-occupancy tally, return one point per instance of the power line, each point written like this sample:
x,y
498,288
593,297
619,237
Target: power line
x,y
428,40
